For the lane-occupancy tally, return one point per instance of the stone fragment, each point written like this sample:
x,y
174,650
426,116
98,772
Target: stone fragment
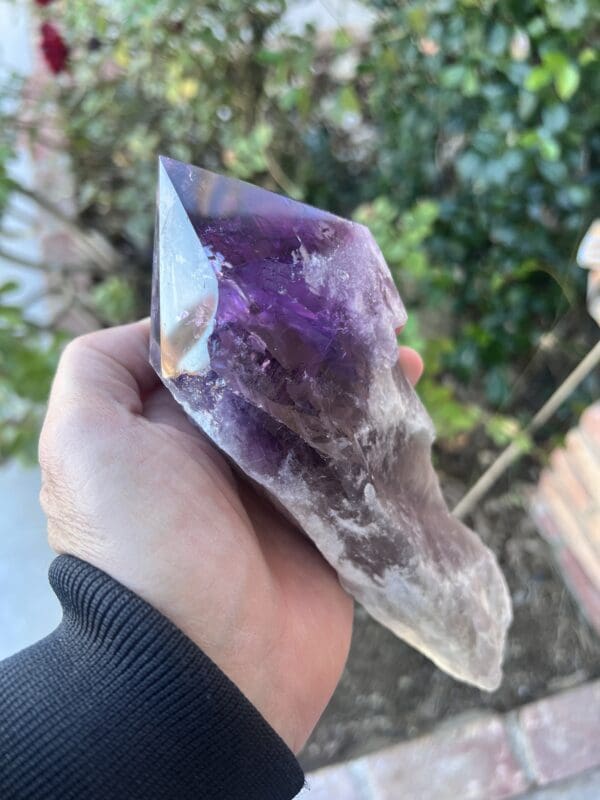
x,y
274,326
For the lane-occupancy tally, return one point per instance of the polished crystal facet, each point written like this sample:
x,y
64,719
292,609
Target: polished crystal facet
x,y
274,326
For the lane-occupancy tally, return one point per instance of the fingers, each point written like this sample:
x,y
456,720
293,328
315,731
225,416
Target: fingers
x,y
162,408
101,380
411,363
107,367
111,367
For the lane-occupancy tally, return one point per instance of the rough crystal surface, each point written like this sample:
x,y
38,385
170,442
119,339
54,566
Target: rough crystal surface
x,y
274,327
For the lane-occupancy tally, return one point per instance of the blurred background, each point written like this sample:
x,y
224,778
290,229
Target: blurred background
x,y
466,135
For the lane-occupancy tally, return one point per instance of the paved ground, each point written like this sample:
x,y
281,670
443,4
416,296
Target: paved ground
x,y
547,750
28,608
582,787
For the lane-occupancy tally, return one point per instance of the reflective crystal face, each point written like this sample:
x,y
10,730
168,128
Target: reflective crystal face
x,y
274,327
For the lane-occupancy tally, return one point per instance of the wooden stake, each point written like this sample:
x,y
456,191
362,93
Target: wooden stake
x,y
514,449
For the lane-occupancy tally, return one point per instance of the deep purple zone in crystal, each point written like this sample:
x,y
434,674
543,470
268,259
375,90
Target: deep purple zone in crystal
x,y
277,338
273,332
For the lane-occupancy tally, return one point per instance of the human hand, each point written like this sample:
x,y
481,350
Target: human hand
x,y
132,487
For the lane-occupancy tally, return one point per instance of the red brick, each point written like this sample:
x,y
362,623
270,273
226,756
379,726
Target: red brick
x,y
572,490
562,733
543,518
590,427
472,760
583,461
575,531
586,594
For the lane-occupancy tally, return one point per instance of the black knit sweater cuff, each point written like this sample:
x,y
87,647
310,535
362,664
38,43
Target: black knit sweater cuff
x,y
119,703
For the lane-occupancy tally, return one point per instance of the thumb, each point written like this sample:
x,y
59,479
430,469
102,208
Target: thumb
x,y
104,369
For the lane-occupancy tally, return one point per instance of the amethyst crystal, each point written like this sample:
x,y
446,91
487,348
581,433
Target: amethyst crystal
x,y
274,326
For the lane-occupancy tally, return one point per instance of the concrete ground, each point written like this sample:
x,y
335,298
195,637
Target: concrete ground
x,y
28,607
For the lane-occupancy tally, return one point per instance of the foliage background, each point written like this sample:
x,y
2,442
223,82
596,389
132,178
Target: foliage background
x,y
463,132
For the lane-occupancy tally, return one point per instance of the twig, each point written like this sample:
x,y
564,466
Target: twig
x,y
98,248
12,233
21,260
50,268
514,449
280,178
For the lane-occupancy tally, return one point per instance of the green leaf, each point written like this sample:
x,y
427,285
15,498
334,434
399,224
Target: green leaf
x,y
8,286
453,77
450,417
587,56
566,81
271,57
555,118
417,19
502,430
568,15
348,100
537,27
114,300
470,83
342,39
555,61
549,148
538,78
10,315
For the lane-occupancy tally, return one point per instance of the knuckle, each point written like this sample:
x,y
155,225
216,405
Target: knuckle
x,y
53,445
55,539
79,348
74,351
75,357
48,456
81,344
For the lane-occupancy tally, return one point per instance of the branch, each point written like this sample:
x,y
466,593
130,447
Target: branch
x,y
514,450
280,178
61,270
21,261
98,248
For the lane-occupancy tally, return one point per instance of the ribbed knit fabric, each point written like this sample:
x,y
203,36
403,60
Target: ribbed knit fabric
x,y
117,703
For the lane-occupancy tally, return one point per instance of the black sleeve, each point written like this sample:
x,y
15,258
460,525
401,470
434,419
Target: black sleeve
x,y
118,703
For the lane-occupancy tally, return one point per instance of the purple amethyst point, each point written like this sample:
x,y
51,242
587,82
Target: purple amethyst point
x,y
273,325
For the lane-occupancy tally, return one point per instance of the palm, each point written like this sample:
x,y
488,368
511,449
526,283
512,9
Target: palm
x,y
278,603
130,485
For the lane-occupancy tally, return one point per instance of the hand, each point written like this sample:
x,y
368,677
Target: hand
x,y
132,487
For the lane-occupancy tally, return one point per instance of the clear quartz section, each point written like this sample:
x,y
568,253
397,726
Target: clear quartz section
x,y
273,325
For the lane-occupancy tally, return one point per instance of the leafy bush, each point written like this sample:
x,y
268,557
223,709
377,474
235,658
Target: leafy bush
x,y
463,132
28,358
489,107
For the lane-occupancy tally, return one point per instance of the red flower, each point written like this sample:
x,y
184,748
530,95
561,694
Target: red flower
x,y
54,48
43,2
